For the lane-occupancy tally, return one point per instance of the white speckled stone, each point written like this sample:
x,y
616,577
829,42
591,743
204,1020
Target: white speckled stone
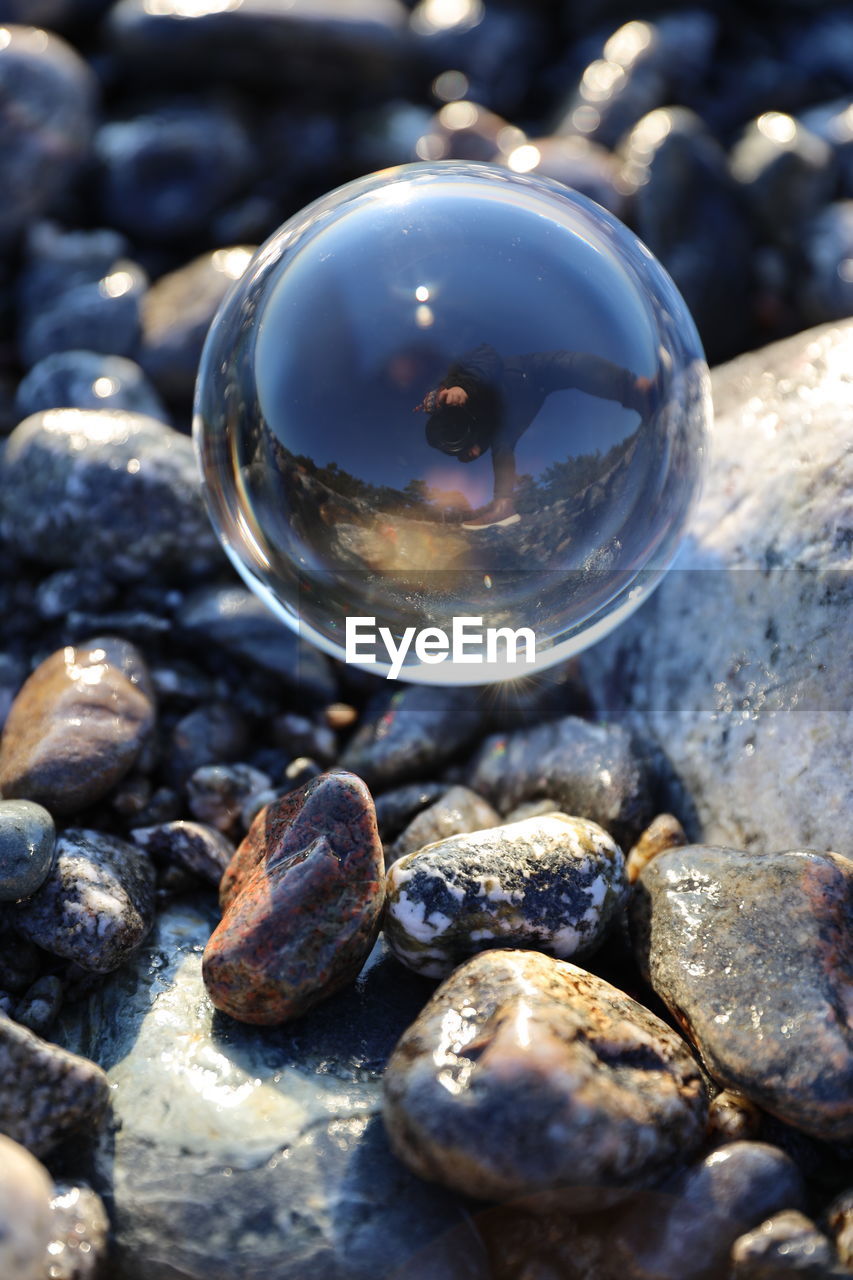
x,y
25,1214
552,883
739,664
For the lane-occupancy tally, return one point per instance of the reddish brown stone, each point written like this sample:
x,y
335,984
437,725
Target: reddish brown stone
x,y
302,903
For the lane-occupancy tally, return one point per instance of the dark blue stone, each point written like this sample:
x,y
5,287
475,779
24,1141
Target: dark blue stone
x,y
165,173
47,96
826,286
87,380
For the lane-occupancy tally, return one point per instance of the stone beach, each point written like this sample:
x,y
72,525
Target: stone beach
x,y
306,974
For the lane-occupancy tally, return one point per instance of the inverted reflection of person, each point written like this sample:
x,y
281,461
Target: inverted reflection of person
x,y
487,401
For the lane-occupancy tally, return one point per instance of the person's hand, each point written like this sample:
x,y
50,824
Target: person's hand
x,y
453,395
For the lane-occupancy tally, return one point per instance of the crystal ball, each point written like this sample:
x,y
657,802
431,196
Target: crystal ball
x,y
451,422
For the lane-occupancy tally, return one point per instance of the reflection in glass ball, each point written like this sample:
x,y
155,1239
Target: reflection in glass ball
x,y
450,391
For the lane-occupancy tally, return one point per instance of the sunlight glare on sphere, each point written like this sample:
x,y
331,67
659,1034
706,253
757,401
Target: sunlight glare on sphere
x,y
450,390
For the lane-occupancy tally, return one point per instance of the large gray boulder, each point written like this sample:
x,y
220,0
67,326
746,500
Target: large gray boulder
x,y
739,665
257,1152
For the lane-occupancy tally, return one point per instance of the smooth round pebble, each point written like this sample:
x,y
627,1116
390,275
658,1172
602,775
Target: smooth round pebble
x,y
458,811
789,1243
25,1214
87,380
197,848
665,832
524,1073
27,842
77,725
551,883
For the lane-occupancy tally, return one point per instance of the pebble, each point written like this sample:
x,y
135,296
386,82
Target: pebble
x,y
732,1118
683,1230
100,315
641,67
27,841
683,194
40,1005
65,1094
105,488
826,285
303,737
833,122
165,173
397,807
665,832
77,726
336,51
87,380
97,905
20,962
339,717
552,883
591,770
25,1213
789,1243
213,733
457,812
839,1218
197,848
411,732
524,1073
79,1233
217,793
177,312
68,590
48,95
785,174
735,942
235,620
302,903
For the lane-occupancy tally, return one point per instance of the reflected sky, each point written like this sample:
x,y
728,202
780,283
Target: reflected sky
x,y
371,313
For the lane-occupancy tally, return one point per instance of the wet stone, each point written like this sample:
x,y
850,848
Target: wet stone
x,y
210,734
665,832
457,812
97,905
177,312
397,807
787,1244
826,285
217,793
39,1006
87,380
66,1094
79,1233
411,733
591,770
98,315
256,1143
48,95
732,1118
733,941
165,173
235,620
77,725
577,163
302,903
113,490
302,737
785,173
27,840
552,883
524,1073
331,49
25,1216
839,1218
202,850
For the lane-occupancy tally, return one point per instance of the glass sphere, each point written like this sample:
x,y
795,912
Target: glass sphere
x,y
448,391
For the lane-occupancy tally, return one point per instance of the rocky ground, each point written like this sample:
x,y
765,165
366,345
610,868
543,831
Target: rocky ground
x,y
549,983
